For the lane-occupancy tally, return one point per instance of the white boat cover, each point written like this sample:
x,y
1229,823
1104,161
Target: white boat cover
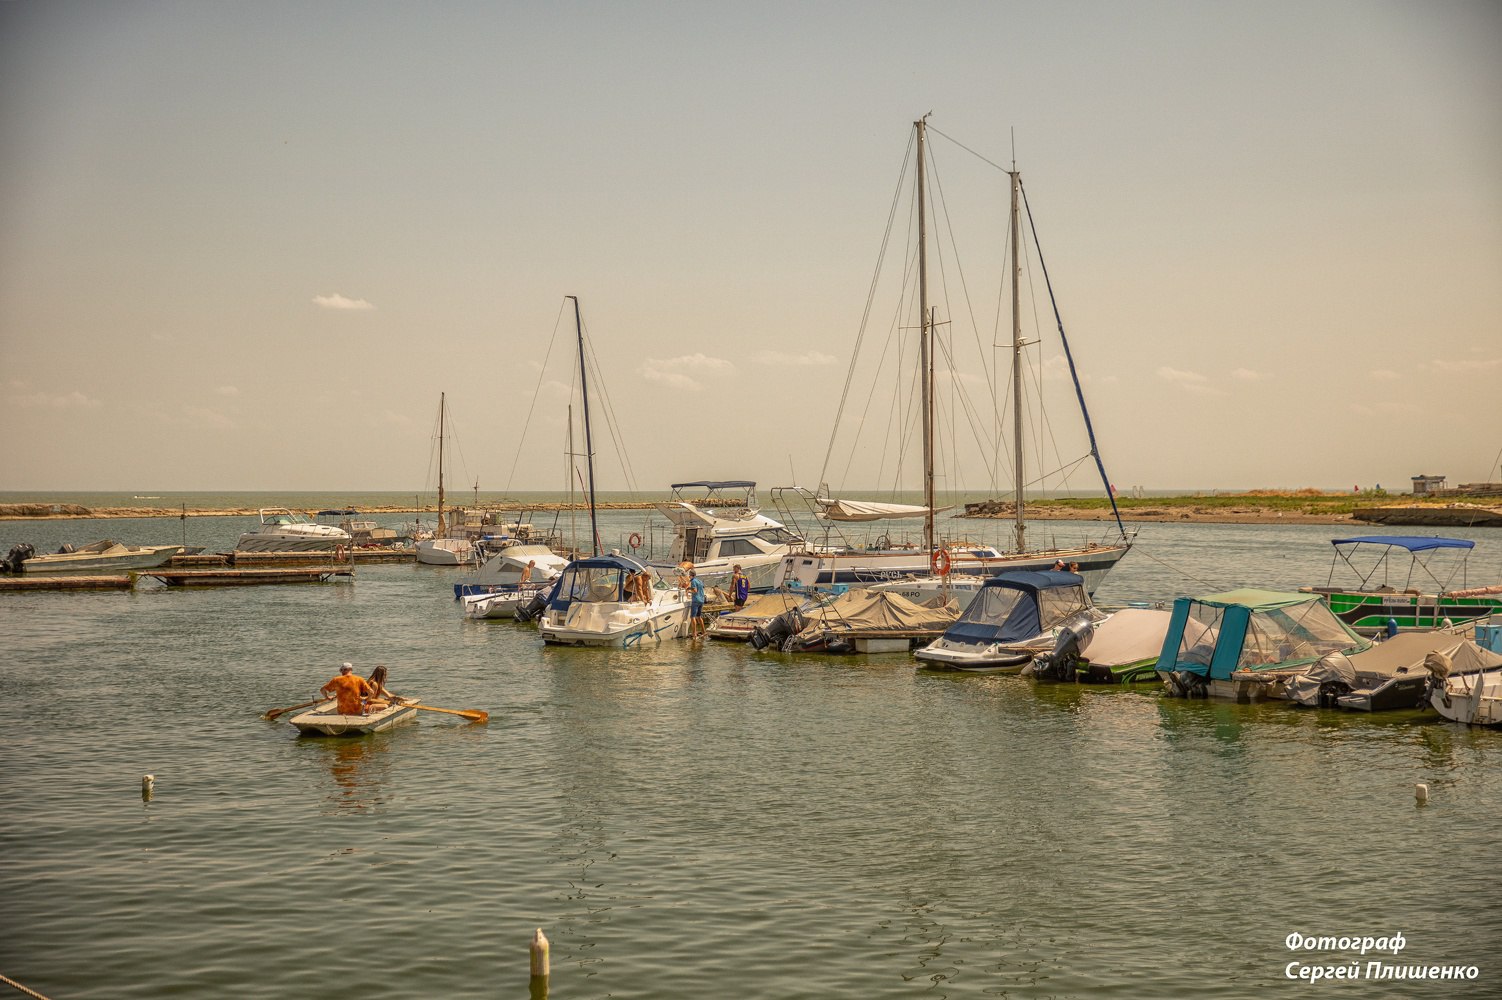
x,y
1131,635
870,510
877,611
764,606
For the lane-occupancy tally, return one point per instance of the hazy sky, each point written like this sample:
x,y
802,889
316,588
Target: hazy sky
x,y
245,246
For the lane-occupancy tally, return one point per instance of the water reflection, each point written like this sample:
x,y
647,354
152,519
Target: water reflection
x,y
358,766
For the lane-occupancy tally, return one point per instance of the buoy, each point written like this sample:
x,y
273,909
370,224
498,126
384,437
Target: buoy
x,y
1421,793
148,782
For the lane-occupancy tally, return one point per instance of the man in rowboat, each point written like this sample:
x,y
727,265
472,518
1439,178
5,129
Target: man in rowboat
x,y
350,690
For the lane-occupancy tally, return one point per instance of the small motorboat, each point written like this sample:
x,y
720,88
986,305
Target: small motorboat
x,y
103,556
325,720
501,601
1474,699
1016,617
593,606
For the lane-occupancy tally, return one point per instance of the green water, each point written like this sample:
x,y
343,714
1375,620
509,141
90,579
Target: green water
x,y
699,820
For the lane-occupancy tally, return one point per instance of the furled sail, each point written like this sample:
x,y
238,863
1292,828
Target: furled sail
x,y
868,510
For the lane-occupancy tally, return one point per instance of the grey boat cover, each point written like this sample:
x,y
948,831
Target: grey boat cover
x,y
1404,653
762,607
878,611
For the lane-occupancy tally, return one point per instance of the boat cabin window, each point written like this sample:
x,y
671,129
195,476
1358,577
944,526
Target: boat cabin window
x,y
777,536
731,547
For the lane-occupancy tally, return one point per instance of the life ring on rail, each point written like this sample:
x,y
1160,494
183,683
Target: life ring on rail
x,y
941,562
634,541
340,552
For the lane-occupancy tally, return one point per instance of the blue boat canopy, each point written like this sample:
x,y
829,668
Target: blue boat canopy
x,y
1017,606
1413,543
593,580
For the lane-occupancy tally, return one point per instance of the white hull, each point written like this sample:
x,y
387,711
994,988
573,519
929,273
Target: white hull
x,y
810,570
260,542
1474,699
618,625
500,605
445,552
324,721
126,558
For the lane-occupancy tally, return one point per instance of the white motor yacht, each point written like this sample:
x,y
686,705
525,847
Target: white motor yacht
x,y
723,529
282,530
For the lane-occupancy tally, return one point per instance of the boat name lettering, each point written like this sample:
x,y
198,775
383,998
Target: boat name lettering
x,y
1393,943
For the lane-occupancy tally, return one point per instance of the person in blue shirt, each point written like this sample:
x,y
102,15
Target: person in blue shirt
x,y
696,628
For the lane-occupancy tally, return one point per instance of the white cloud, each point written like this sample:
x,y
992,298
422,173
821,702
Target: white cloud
x,y
337,301
804,360
1189,381
228,390
1385,375
203,416
1453,367
669,371
66,401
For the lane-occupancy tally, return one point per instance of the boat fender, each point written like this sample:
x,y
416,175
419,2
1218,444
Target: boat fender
x,y
941,562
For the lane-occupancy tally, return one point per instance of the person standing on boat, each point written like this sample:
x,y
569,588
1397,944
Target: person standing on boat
x,y
640,586
740,586
350,689
527,570
685,574
696,628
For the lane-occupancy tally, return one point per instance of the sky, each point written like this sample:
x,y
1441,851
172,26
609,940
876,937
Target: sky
x,y
247,246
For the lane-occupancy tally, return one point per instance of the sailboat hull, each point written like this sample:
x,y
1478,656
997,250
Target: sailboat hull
x,y
814,571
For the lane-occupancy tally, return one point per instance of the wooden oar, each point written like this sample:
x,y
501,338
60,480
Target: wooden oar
x,y
472,714
273,713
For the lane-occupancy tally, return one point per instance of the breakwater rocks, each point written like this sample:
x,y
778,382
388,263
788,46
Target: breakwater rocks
x,y
16,510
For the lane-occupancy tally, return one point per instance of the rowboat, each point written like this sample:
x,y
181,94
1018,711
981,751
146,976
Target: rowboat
x,y
324,720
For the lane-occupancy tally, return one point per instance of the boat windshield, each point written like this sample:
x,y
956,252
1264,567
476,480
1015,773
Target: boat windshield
x,y
593,584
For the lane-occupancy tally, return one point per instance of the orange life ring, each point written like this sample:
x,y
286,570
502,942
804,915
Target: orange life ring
x,y
941,561
634,541
340,552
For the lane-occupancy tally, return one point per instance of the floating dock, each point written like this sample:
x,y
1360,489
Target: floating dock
x,y
48,582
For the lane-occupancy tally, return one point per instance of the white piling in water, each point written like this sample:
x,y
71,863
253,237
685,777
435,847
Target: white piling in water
x,y
1421,793
540,966
148,784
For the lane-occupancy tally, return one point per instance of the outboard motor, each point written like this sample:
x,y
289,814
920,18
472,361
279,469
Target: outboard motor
x,y
1063,663
530,610
777,631
15,557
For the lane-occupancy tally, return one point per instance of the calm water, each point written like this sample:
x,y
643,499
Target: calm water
x,y
698,821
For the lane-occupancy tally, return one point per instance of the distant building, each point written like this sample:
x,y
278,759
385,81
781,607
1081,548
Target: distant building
x,y
1428,484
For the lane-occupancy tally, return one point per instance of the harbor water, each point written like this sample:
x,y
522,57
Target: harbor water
x,y
701,819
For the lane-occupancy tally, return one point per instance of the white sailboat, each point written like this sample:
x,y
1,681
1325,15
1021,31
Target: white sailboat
x,y
443,549
597,601
925,570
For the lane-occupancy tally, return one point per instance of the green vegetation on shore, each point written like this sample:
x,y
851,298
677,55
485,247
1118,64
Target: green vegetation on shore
x,y
1287,501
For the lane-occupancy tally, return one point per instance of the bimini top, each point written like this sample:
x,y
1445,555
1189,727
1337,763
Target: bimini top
x,y
1413,543
1017,606
727,485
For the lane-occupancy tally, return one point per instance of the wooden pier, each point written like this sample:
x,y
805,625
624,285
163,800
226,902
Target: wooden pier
x,y
49,582
236,576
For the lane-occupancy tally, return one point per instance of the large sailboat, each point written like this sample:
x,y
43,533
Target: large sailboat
x,y
445,548
827,562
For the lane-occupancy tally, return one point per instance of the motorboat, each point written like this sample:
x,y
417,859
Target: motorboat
x,y
594,606
867,621
282,530
739,624
364,533
721,528
103,556
500,601
446,551
504,570
1015,617
1474,699
1254,645
1121,649
1431,590
326,720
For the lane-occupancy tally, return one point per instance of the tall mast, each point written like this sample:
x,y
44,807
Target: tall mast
x,y
1021,526
589,447
925,353
441,531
